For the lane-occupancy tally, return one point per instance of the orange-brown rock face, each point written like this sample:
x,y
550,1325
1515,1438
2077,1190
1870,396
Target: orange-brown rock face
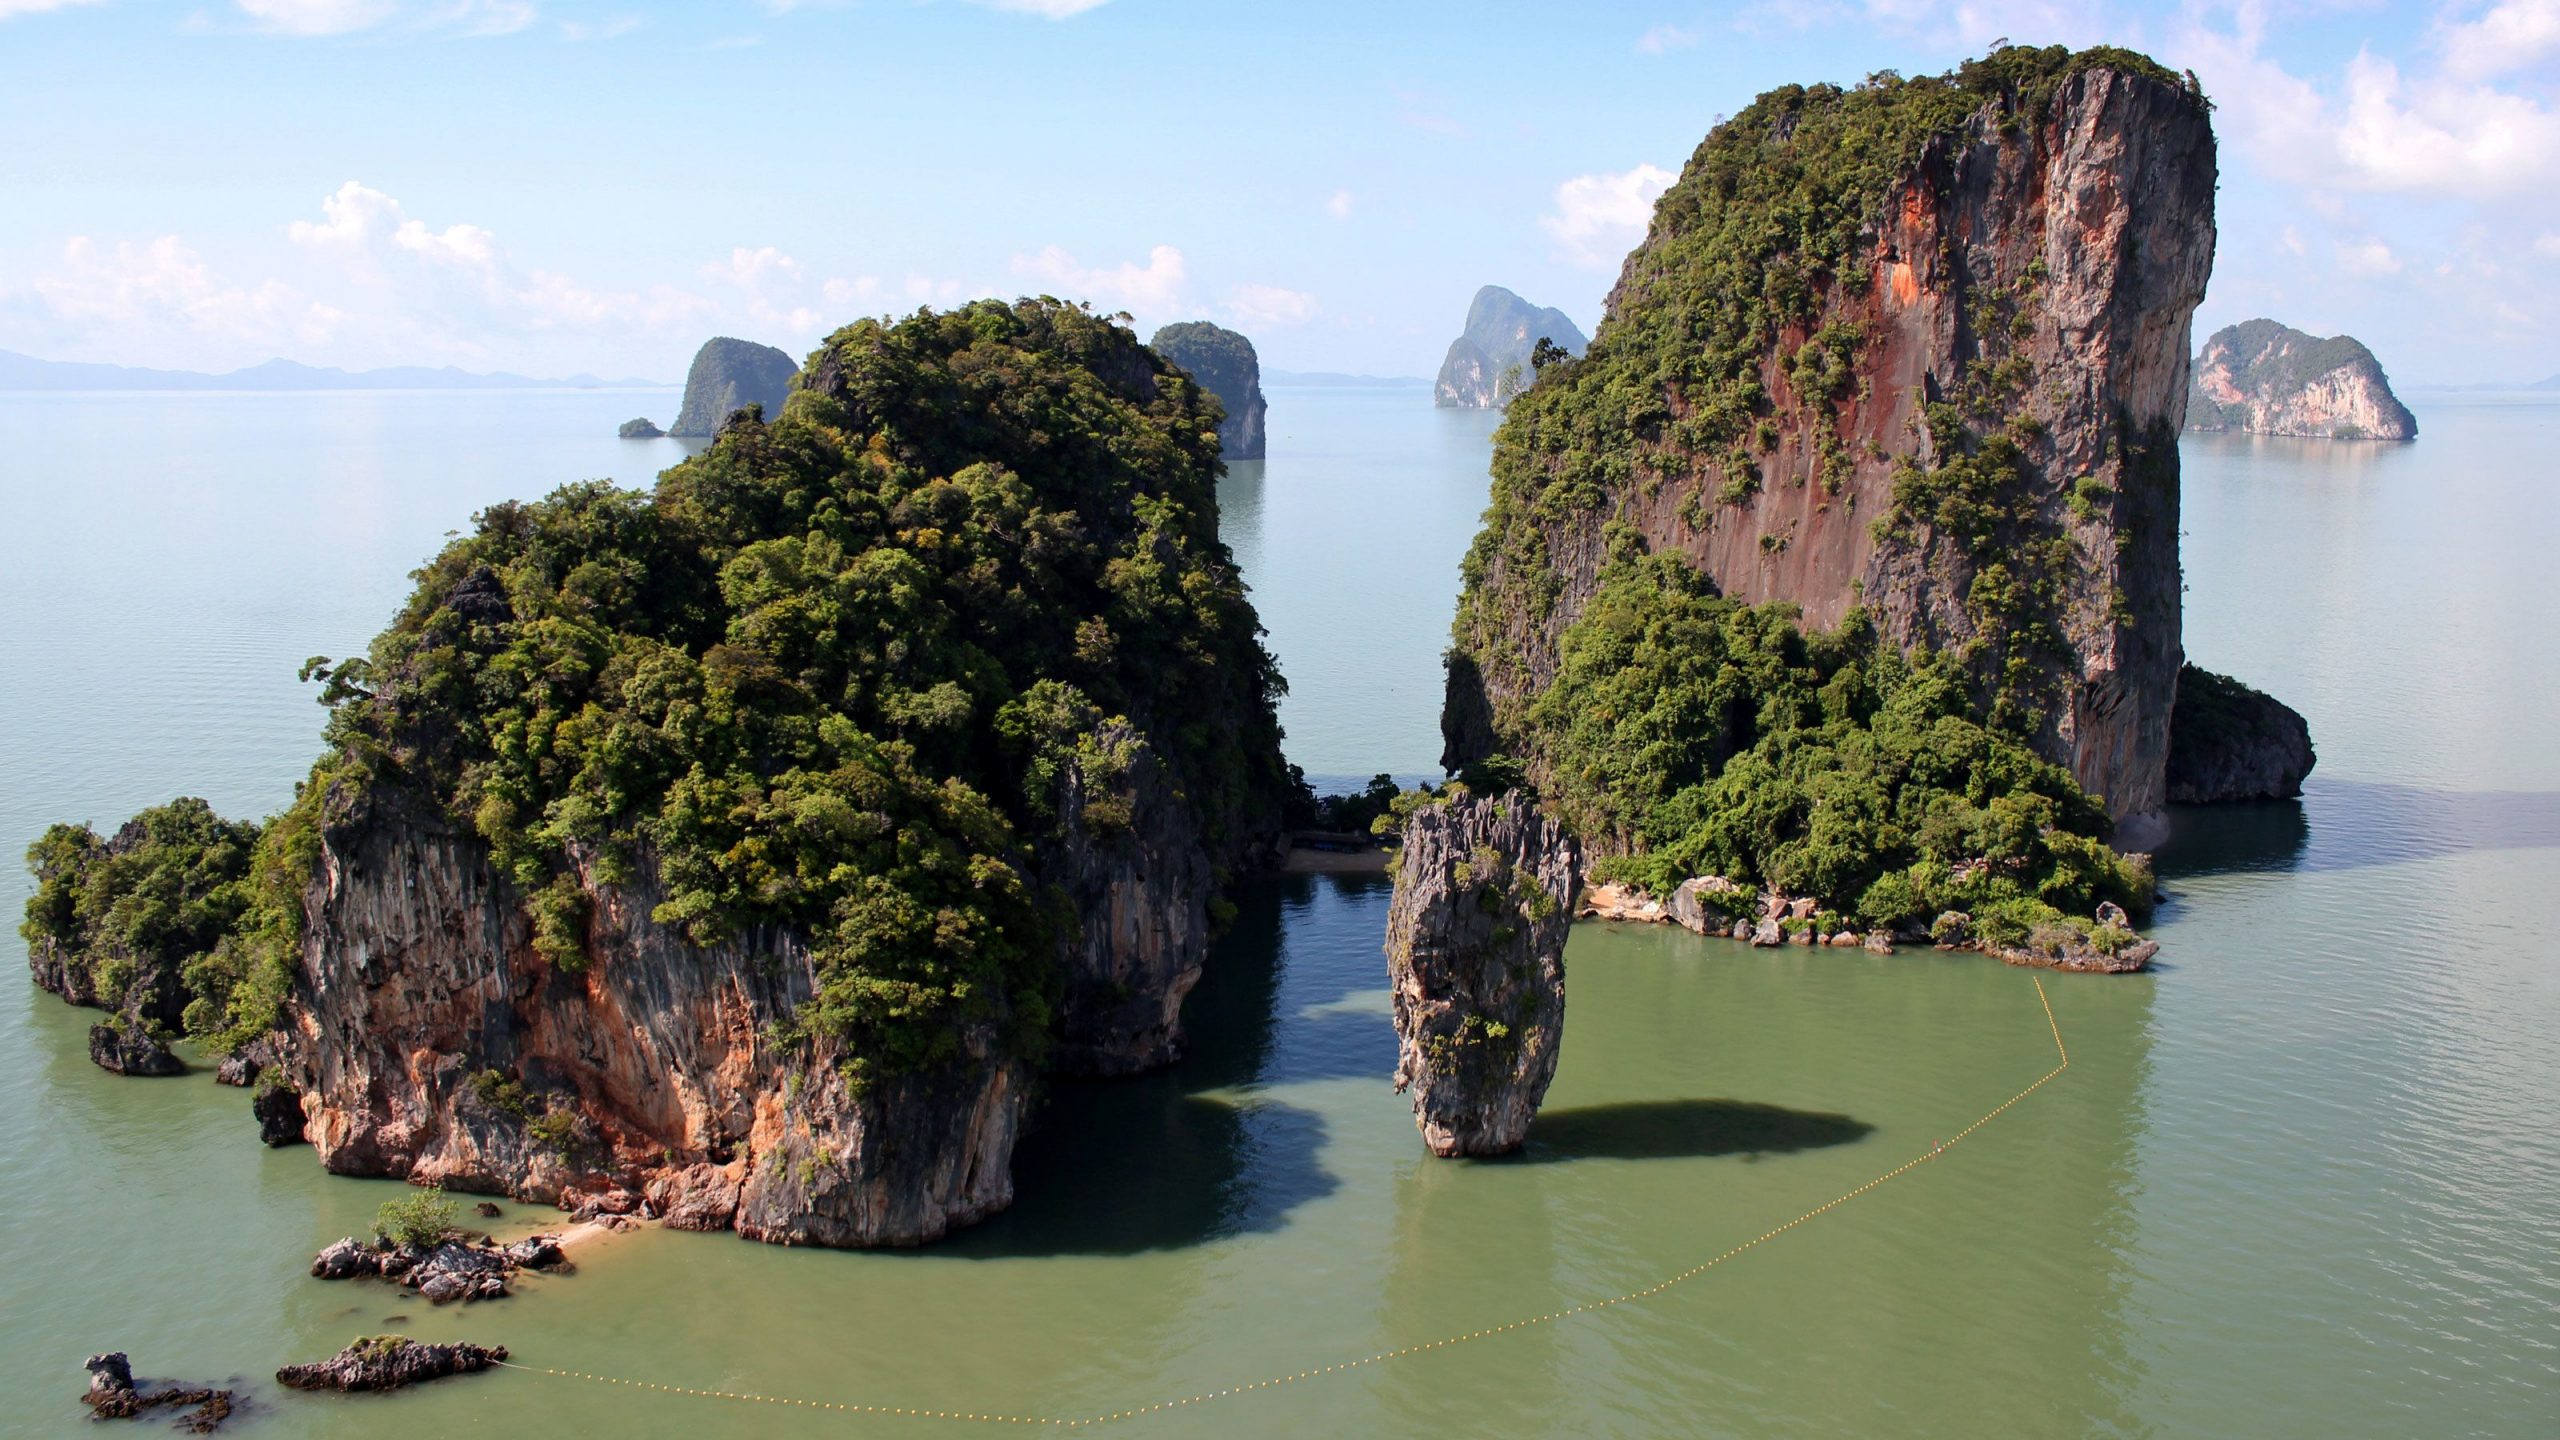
x,y
440,1047
2063,256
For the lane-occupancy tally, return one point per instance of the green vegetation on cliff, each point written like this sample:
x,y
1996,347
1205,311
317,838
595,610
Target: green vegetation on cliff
x,y
831,674
162,894
1691,734
1687,733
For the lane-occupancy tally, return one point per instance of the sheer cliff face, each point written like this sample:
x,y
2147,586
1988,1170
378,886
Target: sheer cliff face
x,y
2030,276
726,375
1224,362
651,1072
2271,379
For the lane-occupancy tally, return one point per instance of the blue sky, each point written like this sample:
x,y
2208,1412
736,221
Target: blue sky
x,y
551,186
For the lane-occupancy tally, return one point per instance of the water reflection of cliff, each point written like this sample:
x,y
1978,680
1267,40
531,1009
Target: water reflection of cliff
x,y
2353,824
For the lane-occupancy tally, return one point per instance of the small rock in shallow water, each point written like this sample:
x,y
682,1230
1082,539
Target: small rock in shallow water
x,y
1880,941
129,1048
112,1395
486,1211
278,1107
1767,933
389,1362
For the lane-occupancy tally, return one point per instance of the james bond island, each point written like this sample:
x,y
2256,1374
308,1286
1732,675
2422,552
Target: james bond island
x,y
1844,566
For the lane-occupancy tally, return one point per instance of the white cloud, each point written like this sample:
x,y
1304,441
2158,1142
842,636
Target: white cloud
x,y
1269,305
1599,217
317,17
37,7
1662,39
356,213
1977,22
1152,288
478,18
2367,257
2433,133
1338,205
2512,36
1045,9
2547,245
2443,135
469,19
163,290
775,287
613,29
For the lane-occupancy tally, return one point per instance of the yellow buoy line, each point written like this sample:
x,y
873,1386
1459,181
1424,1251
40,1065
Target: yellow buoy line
x,y
1380,1358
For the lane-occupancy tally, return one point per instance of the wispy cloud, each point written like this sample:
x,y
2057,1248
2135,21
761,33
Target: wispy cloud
x,y
1338,205
1269,305
9,8
1154,288
1663,39
1598,217
1046,9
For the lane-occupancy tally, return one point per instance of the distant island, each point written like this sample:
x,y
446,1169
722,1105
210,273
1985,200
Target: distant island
x,y
640,428
26,372
2270,379
1493,359
730,374
1222,361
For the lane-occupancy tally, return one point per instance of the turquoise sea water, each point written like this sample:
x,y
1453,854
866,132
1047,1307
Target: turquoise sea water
x,y
2303,1180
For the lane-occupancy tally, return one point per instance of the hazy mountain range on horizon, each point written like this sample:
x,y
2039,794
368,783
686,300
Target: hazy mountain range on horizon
x,y
26,372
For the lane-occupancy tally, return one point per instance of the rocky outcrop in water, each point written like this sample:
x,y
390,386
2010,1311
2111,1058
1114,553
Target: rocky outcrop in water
x,y
2229,742
113,1395
1223,361
1966,422
441,1273
125,1046
2271,379
728,374
1490,361
390,1362
1475,957
639,429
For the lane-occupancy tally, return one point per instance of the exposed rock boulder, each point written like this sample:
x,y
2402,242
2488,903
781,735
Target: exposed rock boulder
x,y
113,1395
442,1273
125,1046
726,375
389,1362
1475,955
278,1108
1223,361
1621,902
2005,323
2271,379
640,429
1490,361
2229,742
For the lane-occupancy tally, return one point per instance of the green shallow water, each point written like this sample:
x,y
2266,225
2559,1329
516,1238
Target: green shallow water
x,y
2305,1180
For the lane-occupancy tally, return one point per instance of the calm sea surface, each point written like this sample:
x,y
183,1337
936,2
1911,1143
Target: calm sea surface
x,y
2303,1181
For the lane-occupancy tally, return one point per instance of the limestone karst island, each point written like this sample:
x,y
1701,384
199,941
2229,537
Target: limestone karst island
x,y
1011,829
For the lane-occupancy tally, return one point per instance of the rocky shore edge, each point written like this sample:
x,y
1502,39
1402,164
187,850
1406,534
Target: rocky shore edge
x,y
1714,905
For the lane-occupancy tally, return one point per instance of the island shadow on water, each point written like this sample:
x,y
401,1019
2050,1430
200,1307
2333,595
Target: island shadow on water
x,y
1189,1155
1200,1152
1683,1130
